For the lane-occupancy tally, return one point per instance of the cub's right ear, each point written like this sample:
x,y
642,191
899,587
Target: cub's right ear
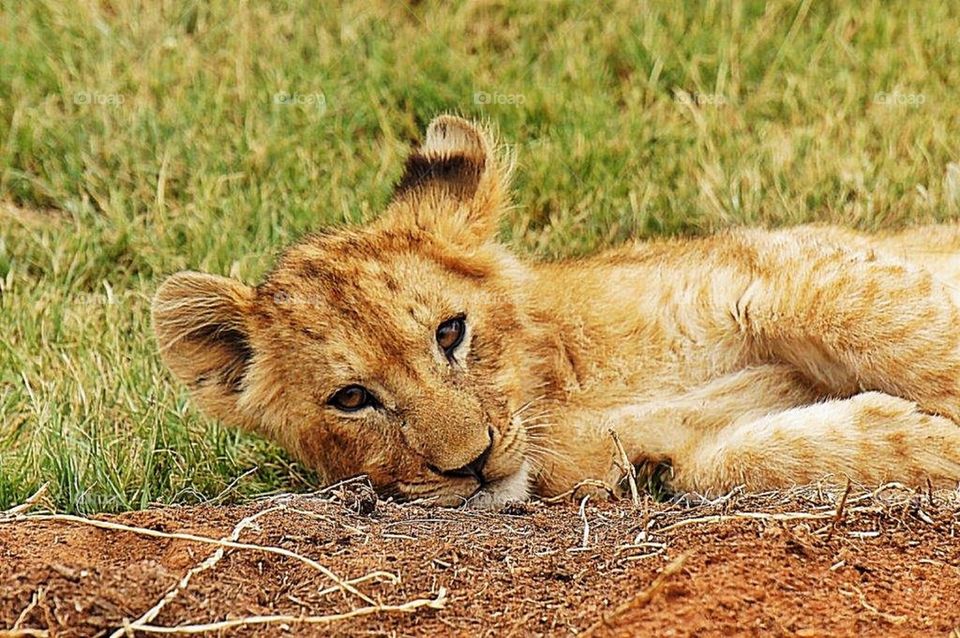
x,y
455,185
201,326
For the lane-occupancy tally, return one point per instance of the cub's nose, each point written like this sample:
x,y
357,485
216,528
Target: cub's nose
x,y
473,469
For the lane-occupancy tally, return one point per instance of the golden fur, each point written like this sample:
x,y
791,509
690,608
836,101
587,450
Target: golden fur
x,y
757,358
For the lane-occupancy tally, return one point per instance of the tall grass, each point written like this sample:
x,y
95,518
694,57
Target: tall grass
x,y
139,138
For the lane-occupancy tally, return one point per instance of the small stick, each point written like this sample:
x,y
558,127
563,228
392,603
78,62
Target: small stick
x,y
362,478
383,577
888,486
628,467
644,597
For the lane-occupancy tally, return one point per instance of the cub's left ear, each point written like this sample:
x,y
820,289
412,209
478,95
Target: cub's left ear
x,y
454,185
200,322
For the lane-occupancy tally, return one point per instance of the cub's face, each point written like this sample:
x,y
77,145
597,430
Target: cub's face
x,y
395,351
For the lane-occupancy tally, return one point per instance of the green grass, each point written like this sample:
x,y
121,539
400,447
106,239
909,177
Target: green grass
x,y
139,138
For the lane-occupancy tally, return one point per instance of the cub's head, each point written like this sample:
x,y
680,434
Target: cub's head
x,y
395,350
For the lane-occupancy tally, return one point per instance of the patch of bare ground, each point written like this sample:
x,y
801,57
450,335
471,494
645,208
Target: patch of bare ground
x,y
340,562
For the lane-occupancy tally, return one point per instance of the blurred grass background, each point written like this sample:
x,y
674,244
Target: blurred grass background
x,y
139,138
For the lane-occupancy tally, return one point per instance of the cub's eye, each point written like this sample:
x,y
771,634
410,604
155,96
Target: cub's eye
x,y
351,398
450,334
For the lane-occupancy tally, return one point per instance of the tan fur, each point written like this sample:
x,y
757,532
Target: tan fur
x,y
757,358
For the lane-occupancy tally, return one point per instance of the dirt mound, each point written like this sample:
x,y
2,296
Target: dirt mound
x,y
340,562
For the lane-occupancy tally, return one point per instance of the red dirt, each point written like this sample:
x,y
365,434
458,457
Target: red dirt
x,y
889,565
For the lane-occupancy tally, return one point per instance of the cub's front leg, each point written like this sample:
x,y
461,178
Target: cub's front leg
x,y
762,428
870,438
668,430
852,320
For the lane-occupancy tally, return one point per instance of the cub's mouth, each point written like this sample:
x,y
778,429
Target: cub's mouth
x,y
500,474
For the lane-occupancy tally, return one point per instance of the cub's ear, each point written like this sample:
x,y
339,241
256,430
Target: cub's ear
x,y
200,322
454,185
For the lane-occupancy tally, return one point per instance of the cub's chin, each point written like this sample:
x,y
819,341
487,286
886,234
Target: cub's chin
x,y
509,489
494,495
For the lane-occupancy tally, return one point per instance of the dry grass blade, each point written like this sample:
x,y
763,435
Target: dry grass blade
x,y
28,504
375,576
280,551
17,629
585,540
838,514
437,602
184,581
628,468
756,516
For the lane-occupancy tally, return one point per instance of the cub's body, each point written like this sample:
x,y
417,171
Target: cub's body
x,y
757,358
668,344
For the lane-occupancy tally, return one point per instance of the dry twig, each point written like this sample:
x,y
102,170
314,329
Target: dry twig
x,y
24,633
585,540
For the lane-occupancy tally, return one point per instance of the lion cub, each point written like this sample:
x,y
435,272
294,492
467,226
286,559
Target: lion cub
x,y
422,353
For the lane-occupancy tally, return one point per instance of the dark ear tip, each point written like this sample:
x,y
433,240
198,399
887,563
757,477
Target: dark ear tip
x,y
451,135
455,184
443,123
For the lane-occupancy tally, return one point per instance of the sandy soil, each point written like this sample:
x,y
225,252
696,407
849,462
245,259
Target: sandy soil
x,y
794,564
